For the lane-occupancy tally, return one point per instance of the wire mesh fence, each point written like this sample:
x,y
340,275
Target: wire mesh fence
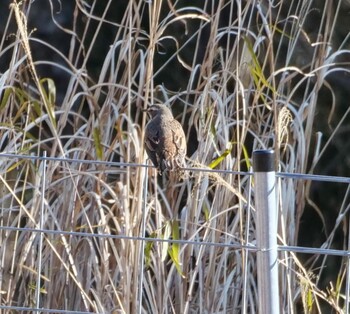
x,y
74,239
83,233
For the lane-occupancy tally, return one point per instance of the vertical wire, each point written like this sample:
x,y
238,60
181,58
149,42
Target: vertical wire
x,y
246,252
41,223
347,286
142,246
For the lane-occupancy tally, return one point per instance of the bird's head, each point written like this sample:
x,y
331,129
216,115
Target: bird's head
x,y
158,109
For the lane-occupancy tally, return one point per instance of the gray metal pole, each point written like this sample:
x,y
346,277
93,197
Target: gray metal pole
x,y
266,227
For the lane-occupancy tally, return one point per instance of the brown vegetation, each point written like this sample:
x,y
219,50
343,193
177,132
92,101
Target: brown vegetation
x,y
239,76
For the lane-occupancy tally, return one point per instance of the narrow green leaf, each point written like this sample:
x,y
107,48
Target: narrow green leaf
x,y
177,265
176,246
97,141
52,92
15,165
246,157
309,300
148,250
255,68
6,96
166,236
21,95
37,108
206,212
218,160
174,249
212,129
50,97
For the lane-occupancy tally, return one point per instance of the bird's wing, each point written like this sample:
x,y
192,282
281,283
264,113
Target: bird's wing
x,y
179,137
152,139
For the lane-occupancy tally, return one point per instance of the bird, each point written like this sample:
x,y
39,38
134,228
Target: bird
x,y
165,139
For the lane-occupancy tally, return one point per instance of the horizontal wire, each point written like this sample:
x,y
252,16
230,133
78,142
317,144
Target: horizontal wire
x,y
41,310
125,237
237,246
313,177
298,176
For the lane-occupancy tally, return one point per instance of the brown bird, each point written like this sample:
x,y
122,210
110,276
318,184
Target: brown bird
x,y
165,139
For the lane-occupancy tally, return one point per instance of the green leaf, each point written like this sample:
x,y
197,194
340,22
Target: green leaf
x,y
206,212
52,92
15,165
50,98
97,141
7,93
255,68
148,250
212,129
174,249
166,236
218,160
37,108
246,157
176,236
310,299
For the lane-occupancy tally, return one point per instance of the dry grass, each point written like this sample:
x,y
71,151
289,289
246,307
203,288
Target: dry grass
x,y
253,78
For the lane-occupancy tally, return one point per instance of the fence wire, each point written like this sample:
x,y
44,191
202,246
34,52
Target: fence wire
x,y
144,239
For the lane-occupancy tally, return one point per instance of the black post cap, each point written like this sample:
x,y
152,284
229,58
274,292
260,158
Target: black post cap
x,y
264,160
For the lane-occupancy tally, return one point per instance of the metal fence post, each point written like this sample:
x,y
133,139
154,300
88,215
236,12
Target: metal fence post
x,y
266,226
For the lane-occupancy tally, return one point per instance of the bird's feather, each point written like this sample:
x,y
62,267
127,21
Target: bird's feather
x,y
165,139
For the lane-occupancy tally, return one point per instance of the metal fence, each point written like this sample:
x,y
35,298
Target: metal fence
x,y
265,245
